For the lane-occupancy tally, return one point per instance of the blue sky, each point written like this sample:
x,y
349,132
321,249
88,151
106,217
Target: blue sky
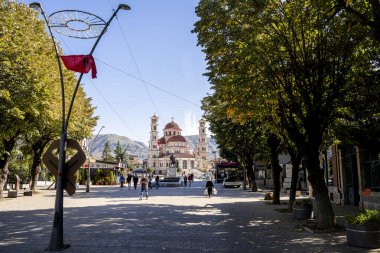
x,y
152,42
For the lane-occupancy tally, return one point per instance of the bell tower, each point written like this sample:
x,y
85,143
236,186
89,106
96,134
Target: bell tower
x,y
153,149
202,144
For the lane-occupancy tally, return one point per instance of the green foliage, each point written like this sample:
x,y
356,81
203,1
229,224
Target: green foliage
x,y
120,152
106,154
363,12
365,217
30,95
19,164
82,175
288,66
104,177
150,170
111,177
98,176
25,68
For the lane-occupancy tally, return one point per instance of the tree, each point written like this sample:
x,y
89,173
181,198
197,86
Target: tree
x,y
106,154
365,12
25,67
120,153
239,142
296,61
30,88
48,126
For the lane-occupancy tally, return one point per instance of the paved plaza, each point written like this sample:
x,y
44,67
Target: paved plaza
x,y
113,219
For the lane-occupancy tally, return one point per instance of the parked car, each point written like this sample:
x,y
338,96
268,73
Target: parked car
x,y
232,182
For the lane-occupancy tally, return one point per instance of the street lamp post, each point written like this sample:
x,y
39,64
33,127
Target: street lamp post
x,y
214,153
56,238
89,161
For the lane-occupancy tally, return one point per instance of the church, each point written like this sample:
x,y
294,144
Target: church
x,y
171,145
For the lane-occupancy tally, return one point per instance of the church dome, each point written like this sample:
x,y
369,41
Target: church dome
x,y
161,141
177,138
172,125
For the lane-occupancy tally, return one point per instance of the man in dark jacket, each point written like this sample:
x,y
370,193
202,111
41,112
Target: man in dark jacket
x,y
209,187
135,181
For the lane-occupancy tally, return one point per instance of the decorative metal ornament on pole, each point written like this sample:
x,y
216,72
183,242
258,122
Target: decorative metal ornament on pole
x,y
77,24
89,162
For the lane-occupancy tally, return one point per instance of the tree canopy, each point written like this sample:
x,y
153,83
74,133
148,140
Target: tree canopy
x,y
106,154
30,95
290,65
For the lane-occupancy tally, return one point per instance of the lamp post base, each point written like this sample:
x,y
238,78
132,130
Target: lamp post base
x,y
65,246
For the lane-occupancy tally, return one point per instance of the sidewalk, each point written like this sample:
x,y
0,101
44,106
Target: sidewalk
x,y
113,219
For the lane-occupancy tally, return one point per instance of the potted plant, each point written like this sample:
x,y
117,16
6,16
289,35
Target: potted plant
x,y
363,229
302,209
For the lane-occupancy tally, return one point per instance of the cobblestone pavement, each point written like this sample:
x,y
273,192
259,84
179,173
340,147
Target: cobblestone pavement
x,y
113,219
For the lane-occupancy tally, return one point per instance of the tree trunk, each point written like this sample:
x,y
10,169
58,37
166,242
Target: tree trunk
x,y
296,161
253,182
4,161
274,145
249,178
251,173
36,167
325,212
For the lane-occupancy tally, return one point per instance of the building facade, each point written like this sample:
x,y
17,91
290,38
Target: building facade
x,y
356,177
161,150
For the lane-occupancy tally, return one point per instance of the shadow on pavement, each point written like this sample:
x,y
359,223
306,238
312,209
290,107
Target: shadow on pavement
x,y
236,225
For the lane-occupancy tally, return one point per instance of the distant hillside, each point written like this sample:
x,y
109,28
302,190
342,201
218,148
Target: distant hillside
x,y
212,146
133,147
137,147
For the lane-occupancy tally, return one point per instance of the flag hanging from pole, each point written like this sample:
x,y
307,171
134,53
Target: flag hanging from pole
x,y
80,63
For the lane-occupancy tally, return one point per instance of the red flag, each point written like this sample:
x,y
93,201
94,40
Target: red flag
x,y
80,63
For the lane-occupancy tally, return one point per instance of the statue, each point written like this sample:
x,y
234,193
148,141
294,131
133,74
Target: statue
x,y
172,161
172,171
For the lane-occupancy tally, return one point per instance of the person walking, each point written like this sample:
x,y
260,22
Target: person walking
x,y
150,182
143,187
135,181
209,187
129,179
157,181
189,178
122,180
185,180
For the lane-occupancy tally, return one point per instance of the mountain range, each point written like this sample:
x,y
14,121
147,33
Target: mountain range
x,y
139,148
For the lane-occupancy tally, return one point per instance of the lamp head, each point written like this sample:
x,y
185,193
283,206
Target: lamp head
x,y
35,5
124,7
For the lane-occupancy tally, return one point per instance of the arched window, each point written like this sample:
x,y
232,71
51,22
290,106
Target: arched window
x,y
192,164
184,164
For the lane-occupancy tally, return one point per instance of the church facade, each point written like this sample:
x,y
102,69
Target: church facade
x,y
161,150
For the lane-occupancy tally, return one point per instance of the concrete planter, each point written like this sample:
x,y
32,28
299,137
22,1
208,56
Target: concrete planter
x,y
363,235
302,212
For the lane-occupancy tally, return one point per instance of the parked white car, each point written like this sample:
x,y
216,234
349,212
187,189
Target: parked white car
x,y
232,182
